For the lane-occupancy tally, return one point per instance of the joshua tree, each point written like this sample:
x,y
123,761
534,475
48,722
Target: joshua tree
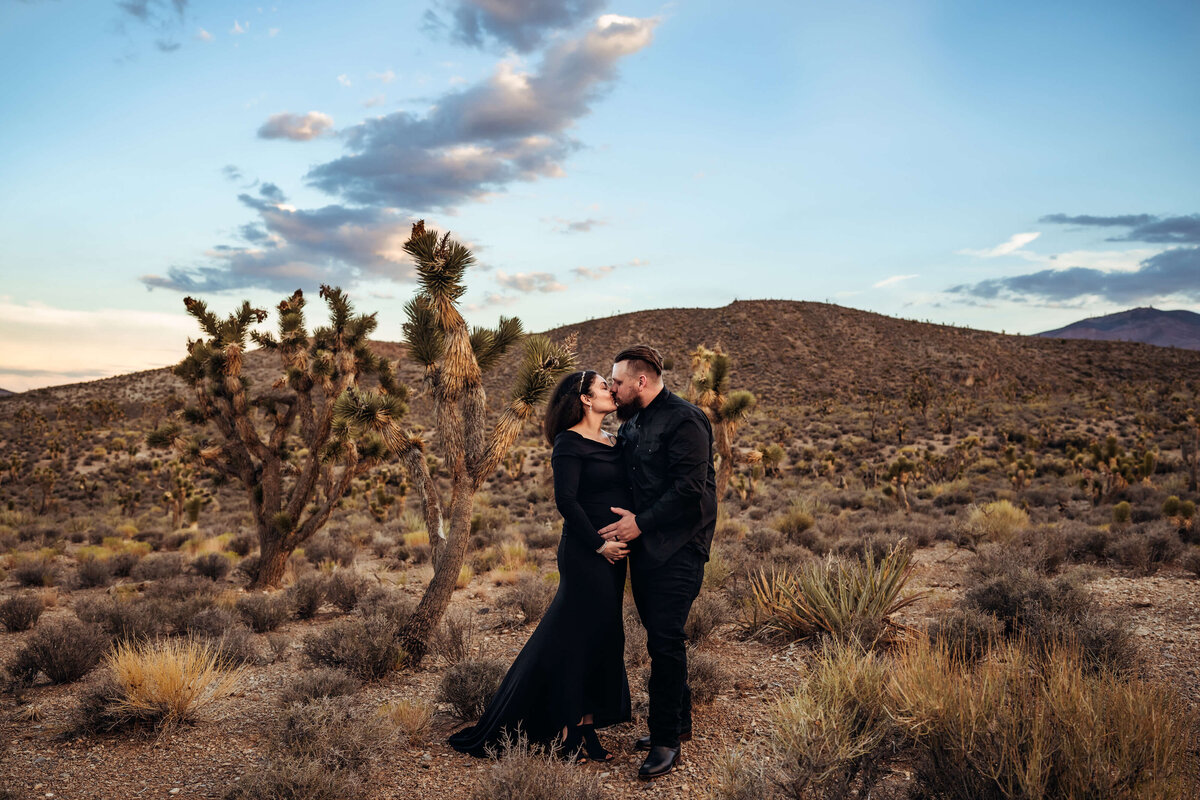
x,y
455,359
293,477
725,409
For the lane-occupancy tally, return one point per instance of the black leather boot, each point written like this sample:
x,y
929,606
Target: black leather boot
x,y
644,743
659,761
591,744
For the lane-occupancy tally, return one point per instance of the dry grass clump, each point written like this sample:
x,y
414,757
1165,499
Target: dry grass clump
x,y
412,718
159,683
709,612
331,731
364,646
20,612
313,684
469,685
264,612
456,638
844,599
1018,725
307,594
63,649
290,779
707,678
999,521
796,525
531,594
636,654
524,772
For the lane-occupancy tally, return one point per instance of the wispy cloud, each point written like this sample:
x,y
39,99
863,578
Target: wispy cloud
x,y
1132,276
204,35
893,280
1014,244
510,127
387,76
529,281
297,127
165,18
344,80
577,226
238,28
522,25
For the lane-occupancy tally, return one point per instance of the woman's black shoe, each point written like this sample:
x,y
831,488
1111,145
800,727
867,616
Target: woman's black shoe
x,y
659,762
572,746
591,744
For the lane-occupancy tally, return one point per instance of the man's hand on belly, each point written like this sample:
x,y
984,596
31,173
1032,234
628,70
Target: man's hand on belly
x,y
623,530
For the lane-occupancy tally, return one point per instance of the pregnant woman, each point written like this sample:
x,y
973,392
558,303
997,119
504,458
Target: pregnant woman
x,y
569,679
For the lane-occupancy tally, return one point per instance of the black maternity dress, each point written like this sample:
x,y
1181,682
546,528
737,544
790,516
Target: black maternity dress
x,y
574,663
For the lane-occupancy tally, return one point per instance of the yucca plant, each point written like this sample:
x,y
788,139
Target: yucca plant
x,y
844,599
709,389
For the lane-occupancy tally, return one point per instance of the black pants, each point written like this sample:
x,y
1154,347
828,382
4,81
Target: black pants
x,y
664,596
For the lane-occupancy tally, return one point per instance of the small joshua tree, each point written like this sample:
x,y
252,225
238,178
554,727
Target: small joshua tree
x,y
725,409
321,431
455,359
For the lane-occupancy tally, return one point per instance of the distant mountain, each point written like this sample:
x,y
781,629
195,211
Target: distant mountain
x,y
1177,328
6,393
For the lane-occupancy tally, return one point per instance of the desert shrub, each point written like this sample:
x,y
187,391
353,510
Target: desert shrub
x,y
706,677
1145,550
163,682
456,637
796,525
242,544
158,566
177,600
878,545
967,633
739,774
313,684
394,605
843,599
1122,512
20,612
1191,561
833,735
213,566
248,567
322,548
92,572
635,638
294,779
542,537
1023,725
709,612
363,646
63,649
212,621
123,563
763,540
307,594
35,570
469,685
717,569
532,595
235,647
344,588
488,524
999,521
122,619
330,731
486,559
522,772
264,612
411,717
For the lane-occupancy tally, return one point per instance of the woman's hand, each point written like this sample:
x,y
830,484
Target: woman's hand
x,y
614,551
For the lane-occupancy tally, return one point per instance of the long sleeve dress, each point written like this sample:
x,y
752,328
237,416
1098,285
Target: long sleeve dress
x,y
574,662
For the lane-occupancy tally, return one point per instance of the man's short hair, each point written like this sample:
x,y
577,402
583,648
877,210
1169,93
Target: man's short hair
x,y
643,359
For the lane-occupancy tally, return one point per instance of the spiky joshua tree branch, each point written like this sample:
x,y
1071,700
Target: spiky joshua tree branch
x,y
709,390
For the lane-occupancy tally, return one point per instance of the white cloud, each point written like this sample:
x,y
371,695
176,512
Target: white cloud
x,y
529,281
386,76
238,29
593,273
1011,247
343,79
297,127
377,100
272,32
893,280
204,35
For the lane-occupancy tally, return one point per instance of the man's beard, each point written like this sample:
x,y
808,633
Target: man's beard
x,y
627,411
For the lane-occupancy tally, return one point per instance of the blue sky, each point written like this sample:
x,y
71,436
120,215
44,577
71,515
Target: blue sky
x,y
1010,166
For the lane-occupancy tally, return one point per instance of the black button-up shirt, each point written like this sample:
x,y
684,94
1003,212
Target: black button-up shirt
x,y
667,447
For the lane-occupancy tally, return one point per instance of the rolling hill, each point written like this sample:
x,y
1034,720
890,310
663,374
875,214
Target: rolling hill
x,y
1178,328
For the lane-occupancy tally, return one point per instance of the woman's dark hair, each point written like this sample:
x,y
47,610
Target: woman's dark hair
x,y
565,408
